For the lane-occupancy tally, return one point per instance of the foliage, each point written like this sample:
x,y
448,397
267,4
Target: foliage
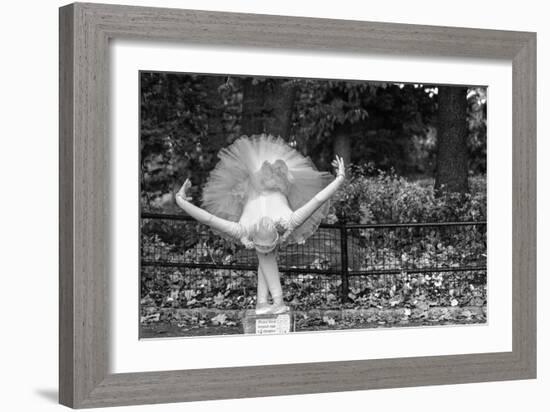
x,y
375,196
383,119
172,127
477,122
391,126
177,114
218,297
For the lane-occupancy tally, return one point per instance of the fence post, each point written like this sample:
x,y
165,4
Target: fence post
x,y
344,262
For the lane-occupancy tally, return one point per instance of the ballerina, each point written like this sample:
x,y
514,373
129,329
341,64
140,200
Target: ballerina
x,y
264,194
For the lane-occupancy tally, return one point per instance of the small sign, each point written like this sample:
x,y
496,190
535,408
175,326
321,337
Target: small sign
x,y
273,325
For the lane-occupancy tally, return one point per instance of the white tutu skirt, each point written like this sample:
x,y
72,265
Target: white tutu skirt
x,y
257,170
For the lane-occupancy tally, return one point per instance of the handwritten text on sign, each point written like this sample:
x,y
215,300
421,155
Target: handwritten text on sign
x,y
280,324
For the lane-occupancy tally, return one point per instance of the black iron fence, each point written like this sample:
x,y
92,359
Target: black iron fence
x,y
340,263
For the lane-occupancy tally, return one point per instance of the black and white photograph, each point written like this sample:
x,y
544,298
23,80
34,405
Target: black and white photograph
x,y
289,205
275,206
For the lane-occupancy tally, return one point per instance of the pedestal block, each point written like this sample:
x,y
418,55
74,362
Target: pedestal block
x,y
268,323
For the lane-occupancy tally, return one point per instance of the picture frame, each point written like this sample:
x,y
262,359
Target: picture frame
x,y
85,32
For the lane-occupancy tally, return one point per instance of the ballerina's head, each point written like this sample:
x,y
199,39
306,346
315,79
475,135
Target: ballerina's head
x,y
265,235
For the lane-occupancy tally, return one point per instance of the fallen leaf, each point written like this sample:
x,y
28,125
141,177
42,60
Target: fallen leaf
x,y
219,319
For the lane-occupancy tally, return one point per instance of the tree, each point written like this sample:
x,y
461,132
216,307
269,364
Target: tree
x,y
214,111
452,133
477,126
267,106
182,129
341,142
172,120
364,122
186,119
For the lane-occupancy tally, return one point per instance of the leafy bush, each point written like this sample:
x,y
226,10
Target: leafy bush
x,y
374,196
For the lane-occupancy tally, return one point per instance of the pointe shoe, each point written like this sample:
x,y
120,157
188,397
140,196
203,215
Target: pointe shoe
x,y
277,309
263,308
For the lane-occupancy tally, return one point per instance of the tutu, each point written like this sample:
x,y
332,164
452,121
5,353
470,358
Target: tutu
x,y
263,176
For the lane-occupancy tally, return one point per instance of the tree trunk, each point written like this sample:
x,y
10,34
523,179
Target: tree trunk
x,y
279,104
267,107
214,109
452,157
253,107
341,142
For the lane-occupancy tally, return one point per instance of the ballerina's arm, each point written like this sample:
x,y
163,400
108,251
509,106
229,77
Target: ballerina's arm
x,y
232,229
300,215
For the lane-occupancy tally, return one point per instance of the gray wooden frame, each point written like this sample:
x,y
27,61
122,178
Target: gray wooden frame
x,y
85,30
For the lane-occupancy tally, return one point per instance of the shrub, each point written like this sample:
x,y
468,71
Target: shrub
x,y
374,196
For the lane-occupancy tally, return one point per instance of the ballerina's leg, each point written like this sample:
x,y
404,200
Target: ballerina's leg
x,y
263,292
270,270
262,304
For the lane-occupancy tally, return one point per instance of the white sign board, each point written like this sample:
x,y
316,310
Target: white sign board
x,y
275,325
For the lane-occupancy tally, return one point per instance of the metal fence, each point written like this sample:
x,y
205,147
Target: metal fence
x,y
339,262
